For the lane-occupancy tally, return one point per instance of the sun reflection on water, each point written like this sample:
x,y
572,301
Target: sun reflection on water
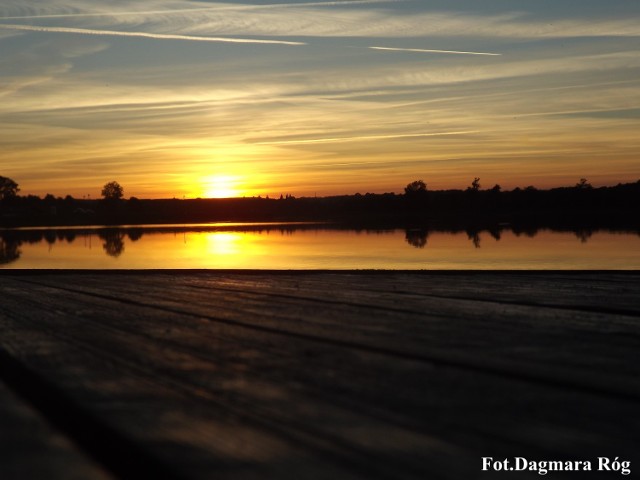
x,y
224,243
292,247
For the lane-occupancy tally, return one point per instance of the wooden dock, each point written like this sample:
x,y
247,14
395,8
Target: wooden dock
x,y
314,375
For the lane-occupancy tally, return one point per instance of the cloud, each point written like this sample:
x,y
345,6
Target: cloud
x,y
195,9
45,74
7,34
20,70
352,18
307,20
360,138
415,75
420,50
159,36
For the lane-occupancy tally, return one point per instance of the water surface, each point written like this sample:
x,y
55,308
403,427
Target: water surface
x,y
294,246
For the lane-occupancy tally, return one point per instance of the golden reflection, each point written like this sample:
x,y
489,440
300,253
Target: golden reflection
x,y
311,248
224,243
217,249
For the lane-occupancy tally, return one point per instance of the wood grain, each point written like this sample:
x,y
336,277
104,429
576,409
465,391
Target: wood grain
x,y
331,375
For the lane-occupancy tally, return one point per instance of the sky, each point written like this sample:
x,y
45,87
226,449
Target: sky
x,y
185,99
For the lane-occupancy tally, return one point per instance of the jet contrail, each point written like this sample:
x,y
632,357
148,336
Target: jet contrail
x,y
419,50
362,137
160,36
201,9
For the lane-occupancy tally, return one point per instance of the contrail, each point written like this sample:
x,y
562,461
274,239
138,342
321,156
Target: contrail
x,y
109,14
160,36
362,137
419,50
201,9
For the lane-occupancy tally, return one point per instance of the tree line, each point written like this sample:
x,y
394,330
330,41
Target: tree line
x,y
579,205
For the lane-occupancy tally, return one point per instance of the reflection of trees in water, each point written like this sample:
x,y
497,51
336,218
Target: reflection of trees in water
x,y
135,234
474,236
417,238
50,237
69,236
113,238
9,250
527,231
496,233
113,242
583,235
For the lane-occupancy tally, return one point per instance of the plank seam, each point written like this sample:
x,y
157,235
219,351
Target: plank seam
x,y
115,452
511,370
590,309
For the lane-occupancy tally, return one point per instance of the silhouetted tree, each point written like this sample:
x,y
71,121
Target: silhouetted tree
x,y
496,188
112,191
8,188
583,184
475,185
415,187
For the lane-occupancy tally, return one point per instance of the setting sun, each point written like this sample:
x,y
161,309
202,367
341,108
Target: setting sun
x,y
220,186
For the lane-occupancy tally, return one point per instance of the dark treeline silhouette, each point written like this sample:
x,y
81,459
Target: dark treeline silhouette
x,y
579,206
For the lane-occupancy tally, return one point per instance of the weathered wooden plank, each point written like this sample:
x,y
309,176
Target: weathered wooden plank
x,y
583,291
260,432
608,292
31,449
442,402
561,345
185,434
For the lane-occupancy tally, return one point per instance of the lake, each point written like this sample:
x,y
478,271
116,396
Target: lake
x,y
303,246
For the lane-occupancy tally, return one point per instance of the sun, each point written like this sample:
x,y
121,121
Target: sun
x,y
220,186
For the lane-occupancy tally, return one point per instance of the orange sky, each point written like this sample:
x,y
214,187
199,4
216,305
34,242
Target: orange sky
x,y
196,99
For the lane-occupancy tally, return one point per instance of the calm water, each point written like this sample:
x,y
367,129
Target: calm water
x,y
308,247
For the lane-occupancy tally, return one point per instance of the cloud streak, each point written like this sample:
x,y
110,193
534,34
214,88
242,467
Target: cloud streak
x,y
332,19
420,50
157,36
362,137
198,9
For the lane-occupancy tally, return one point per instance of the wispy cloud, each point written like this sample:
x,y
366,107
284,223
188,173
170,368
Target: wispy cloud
x,y
195,9
361,137
315,20
414,75
7,34
421,50
349,18
158,36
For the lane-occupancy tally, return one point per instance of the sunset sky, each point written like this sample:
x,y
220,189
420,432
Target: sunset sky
x,y
178,98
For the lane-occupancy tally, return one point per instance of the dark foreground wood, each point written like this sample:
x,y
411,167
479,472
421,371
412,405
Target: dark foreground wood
x,y
317,375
